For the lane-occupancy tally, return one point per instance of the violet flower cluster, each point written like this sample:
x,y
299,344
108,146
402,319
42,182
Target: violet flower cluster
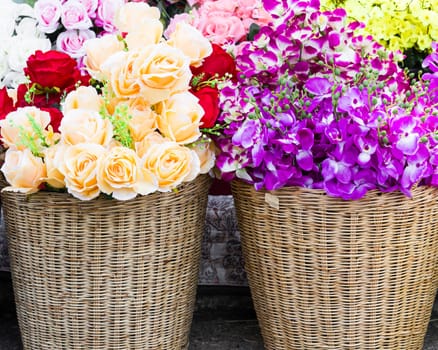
x,y
431,76
317,106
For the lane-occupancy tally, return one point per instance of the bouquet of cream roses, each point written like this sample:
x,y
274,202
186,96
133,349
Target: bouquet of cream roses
x,y
135,131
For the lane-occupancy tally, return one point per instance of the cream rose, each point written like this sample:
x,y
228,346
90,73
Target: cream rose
x,y
18,123
23,171
53,156
143,121
162,70
79,167
143,146
130,14
97,52
123,77
137,39
120,175
171,164
179,118
206,154
190,41
85,126
84,97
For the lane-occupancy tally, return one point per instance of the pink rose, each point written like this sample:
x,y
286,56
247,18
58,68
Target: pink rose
x,y
74,15
106,12
195,2
72,42
218,5
252,12
48,13
220,27
90,6
182,17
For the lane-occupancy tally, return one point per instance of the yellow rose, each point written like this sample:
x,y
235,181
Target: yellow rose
x,y
205,152
84,97
97,52
119,174
79,166
143,145
137,39
130,14
123,77
162,70
112,102
143,121
53,156
85,126
179,118
23,171
190,41
171,164
18,122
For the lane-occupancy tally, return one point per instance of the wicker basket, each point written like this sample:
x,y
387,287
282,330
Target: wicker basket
x,y
331,274
106,274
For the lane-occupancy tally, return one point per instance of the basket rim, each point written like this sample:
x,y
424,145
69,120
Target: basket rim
x,y
304,191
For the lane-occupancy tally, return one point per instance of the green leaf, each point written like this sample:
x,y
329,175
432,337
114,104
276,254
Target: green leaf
x,y
254,29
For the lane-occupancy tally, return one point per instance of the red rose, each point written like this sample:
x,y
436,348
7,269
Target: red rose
x,y
52,69
46,102
55,117
43,100
6,103
219,62
209,101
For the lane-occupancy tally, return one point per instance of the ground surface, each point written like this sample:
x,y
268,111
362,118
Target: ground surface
x,y
224,320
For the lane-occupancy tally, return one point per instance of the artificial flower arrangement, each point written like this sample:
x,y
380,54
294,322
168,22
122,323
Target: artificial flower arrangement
x,y
408,26
19,37
137,129
317,106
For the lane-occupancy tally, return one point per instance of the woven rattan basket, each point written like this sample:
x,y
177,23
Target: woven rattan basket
x,y
106,274
331,274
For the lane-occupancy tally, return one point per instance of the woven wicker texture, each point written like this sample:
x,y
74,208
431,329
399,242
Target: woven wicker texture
x,y
106,274
331,274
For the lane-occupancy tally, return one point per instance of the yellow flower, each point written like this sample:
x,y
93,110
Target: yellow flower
x,y
52,158
85,126
162,71
171,164
79,167
190,41
179,118
18,123
144,119
84,97
120,174
130,14
206,154
97,52
23,171
143,145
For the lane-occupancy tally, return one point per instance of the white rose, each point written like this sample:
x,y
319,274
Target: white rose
x,y
7,26
22,48
28,27
12,79
4,66
24,10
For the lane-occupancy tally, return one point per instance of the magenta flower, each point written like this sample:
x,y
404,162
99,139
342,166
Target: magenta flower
x,y
317,106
